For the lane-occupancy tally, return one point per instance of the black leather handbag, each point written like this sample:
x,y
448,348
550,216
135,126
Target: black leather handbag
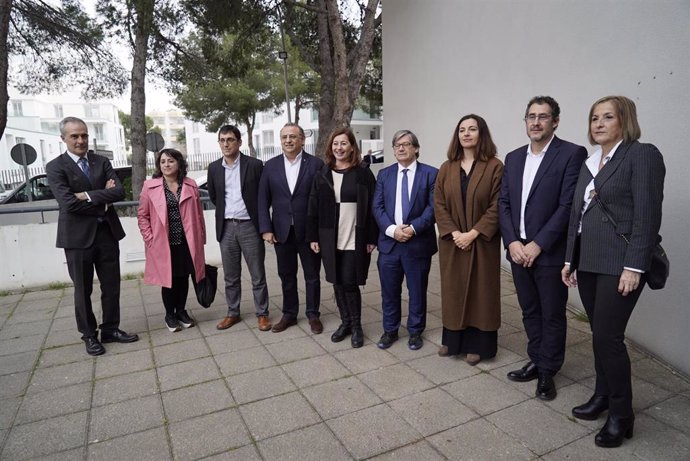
x,y
659,268
206,287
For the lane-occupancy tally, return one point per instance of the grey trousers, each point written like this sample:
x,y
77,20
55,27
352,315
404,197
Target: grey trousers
x,y
242,239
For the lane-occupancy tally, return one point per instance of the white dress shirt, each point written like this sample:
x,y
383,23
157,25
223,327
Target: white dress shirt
x,y
292,170
411,170
234,203
532,163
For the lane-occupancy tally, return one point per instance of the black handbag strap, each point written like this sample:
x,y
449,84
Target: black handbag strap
x,y
607,213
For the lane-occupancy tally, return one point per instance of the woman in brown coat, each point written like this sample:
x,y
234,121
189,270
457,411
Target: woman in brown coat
x,y
465,204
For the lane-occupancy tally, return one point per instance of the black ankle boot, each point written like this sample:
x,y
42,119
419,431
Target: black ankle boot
x,y
344,330
594,407
341,333
616,427
357,338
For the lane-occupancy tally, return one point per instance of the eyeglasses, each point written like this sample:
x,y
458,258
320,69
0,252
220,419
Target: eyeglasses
x,y
227,140
402,144
535,117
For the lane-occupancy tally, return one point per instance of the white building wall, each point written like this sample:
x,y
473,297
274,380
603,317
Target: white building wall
x,y
446,58
38,125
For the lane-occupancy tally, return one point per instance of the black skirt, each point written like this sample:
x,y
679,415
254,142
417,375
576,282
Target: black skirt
x,y
471,341
181,259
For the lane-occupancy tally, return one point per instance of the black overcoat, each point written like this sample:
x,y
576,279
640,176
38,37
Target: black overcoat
x,y
322,220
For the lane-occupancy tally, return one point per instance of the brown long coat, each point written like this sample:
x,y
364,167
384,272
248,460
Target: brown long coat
x,y
470,280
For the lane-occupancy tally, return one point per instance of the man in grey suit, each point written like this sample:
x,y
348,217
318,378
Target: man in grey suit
x,y
85,186
233,187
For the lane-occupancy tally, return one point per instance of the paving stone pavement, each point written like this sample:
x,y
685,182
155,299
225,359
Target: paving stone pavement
x,y
243,394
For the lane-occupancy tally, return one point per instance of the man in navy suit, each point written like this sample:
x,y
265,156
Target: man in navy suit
x,y
403,207
284,189
85,186
534,208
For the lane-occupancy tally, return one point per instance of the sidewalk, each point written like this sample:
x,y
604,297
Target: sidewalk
x,y
243,394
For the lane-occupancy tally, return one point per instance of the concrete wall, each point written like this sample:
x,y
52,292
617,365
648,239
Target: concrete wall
x,y
30,259
445,58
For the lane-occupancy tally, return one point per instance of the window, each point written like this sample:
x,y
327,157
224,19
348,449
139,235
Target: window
x,y
268,138
195,127
58,111
10,141
17,108
98,131
21,140
50,127
93,111
267,117
197,146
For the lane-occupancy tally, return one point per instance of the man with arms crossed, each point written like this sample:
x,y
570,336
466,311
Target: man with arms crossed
x,y
284,189
85,186
233,186
534,208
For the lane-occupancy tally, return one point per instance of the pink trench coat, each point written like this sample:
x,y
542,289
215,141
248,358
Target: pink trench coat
x,y
153,224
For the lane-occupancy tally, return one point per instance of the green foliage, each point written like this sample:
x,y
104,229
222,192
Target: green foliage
x,y
127,184
126,122
581,316
229,78
57,285
59,47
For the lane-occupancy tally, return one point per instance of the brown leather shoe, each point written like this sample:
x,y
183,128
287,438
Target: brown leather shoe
x,y
228,321
316,325
283,324
473,359
264,323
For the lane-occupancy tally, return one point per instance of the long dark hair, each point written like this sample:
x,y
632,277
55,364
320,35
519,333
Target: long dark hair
x,y
181,163
355,157
486,148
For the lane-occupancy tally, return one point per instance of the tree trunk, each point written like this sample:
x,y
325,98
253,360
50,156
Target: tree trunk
x,y
298,106
327,90
250,134
5,9
144,15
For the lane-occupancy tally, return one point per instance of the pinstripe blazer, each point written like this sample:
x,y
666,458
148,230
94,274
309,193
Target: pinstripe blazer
x,y
631,185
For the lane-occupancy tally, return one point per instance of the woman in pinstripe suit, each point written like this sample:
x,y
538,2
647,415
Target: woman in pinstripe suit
x,y
622,181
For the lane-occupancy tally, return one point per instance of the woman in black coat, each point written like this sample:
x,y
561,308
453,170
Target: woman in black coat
x,y
341,226
614,225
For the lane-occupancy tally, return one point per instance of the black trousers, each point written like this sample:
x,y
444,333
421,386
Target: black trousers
x,y
286,258
542,297
608,313
104,256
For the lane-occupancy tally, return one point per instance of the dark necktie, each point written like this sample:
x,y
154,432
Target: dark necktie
x,y
405,196
84,165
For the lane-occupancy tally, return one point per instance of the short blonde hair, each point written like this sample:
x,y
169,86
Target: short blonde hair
x,y
627,112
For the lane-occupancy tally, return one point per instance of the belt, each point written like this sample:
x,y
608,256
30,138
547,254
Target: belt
x,y
237,220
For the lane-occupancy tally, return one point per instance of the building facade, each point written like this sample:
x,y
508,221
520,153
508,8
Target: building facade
x,y
35,120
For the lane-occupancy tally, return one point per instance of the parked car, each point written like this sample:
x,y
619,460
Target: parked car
x,y
40,190
374,157
200,176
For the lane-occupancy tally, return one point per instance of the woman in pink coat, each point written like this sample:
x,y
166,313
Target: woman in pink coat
x,y
172,223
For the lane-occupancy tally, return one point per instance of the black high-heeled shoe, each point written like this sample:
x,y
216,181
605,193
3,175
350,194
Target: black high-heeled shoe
x,y
594,407
613,432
